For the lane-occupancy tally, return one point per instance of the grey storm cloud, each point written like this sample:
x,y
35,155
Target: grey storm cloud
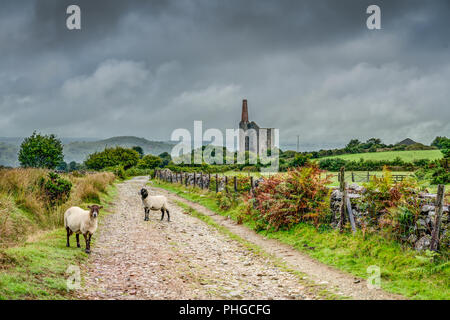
x,y
145,68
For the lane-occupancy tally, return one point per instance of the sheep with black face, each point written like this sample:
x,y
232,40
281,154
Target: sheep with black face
x,y
155,203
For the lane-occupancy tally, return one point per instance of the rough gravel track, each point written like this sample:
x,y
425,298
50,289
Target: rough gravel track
x,y
188,259
182,259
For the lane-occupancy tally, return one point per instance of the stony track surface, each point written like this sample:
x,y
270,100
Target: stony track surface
x,y
181,259
188,259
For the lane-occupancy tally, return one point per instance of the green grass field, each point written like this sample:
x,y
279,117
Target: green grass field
x,y
407,156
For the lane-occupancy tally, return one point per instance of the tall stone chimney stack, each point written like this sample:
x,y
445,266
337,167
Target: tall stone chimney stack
x,y
244,111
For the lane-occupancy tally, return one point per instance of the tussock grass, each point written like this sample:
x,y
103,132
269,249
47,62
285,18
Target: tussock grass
x,y
23,206
33,255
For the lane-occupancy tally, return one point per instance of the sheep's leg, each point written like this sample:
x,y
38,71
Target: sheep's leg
x,y
86,238
147,210
162,216
168,216
78,240
69,232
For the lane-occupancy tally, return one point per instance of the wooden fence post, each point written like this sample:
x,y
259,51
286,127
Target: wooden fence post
x,y
226,183
437,221
201,180
353,176
186,180
217,183
209,181
181,178
235,184
194,180
368,176
251,183
344,198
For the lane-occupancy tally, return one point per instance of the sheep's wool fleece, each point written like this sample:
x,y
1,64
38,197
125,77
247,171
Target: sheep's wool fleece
x,y
154,202
79,220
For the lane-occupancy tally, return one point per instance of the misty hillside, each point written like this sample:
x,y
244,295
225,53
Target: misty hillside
x,y
8,154
79,150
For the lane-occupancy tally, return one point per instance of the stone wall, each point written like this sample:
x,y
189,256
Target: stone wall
x,y
419,238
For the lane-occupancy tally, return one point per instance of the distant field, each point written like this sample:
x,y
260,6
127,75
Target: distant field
x,y
407,156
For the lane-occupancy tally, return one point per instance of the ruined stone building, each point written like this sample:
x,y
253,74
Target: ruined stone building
x,y
252,137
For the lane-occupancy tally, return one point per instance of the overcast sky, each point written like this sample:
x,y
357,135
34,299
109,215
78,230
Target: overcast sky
x,y
145,68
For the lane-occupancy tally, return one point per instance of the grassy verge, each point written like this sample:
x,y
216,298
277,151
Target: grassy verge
x,y
403,270
36,268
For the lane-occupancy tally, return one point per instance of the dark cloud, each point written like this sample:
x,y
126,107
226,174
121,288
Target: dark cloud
x,y
147,67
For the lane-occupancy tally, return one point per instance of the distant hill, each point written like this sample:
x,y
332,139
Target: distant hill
x,y
407,142
8,154
79,150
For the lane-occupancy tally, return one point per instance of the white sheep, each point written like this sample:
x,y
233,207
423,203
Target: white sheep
x,y
154,203
77,220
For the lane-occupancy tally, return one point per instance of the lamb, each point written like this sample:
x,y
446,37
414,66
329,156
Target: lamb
x,y
77,220
154,203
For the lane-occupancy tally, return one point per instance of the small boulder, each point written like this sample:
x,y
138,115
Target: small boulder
x,y
423,243
427,208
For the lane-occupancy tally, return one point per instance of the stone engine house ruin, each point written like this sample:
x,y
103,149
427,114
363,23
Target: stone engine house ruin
x,y
253,138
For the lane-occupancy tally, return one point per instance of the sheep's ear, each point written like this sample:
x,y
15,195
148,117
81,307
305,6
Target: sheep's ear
x,y
89,207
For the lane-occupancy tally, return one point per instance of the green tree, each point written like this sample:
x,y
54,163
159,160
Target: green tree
x,y
300,160
166,158
150,162
111,157
41,151
73,166
440,142
62,166
446,148
139,150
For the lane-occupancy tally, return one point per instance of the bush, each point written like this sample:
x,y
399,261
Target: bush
x,y
392,207
41,151
120,173
112,157
440,176
56,189
134,172
285,200
150,162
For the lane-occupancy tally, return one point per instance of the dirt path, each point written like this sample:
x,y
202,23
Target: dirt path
x,y
188,259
